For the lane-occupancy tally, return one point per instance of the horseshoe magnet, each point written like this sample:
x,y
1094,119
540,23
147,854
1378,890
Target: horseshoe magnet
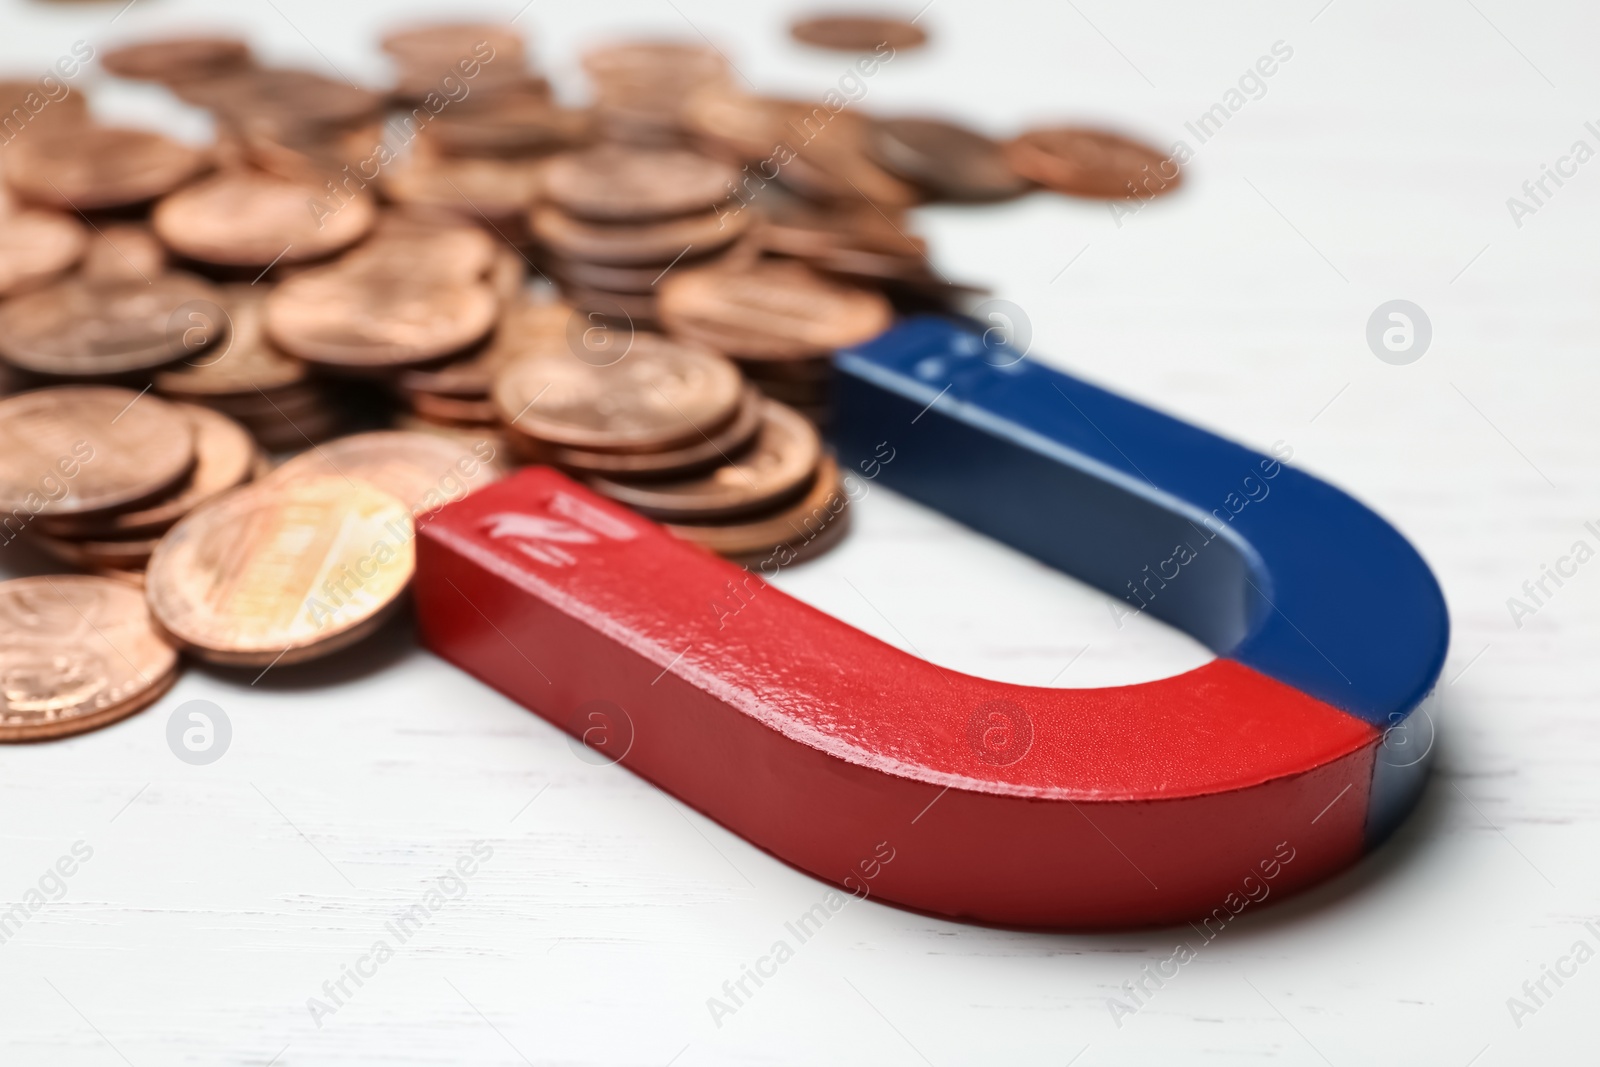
x,y
1301,746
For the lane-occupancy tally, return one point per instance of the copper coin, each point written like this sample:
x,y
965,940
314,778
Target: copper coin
x,y
68,109
96,167
834,163
312,153
225,457
453,409
857,33
743,125
425,471
599,276
499,188
133,579
282,98
449,250
131,553
812,542
361,320
291,433
817,371
823,504
672,463
779,463
950,160
632,62
658,393
796,392
243,363
481,440
76,652
282,571
775,310
508,274
35,246
175,59
793,226
616,183
523,327
81,449
509,124
447,41
124,251
290,402
1085,162
86,327
248,219
426,54
629,309
650,242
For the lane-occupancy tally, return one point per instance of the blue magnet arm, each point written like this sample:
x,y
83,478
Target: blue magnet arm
x,y
1263,563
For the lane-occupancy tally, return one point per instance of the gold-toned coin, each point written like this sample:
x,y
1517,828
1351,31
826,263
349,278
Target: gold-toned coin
x,y
282,571
76,652
225,457
778,465
658,393
89,168
248,219
87,327
425,471
35,246
81,449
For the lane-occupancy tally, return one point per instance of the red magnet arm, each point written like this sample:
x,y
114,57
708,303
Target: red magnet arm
x,y
1002,803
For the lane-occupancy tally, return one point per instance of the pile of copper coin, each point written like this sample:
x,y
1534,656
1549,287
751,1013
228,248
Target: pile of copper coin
x,y
240,375
670,428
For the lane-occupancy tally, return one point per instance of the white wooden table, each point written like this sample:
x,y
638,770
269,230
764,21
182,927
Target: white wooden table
x,y
1374,164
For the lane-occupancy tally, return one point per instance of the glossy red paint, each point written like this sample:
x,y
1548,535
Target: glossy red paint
x,y
1129,805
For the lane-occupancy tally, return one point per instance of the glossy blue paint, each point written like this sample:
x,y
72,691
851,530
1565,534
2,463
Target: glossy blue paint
x,y
1265,564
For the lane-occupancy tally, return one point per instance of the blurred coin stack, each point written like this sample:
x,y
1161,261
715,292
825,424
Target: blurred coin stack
x,y
617,218
779,320
247,378
641,87
808,170
670,428
478,126
453,398
122,468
